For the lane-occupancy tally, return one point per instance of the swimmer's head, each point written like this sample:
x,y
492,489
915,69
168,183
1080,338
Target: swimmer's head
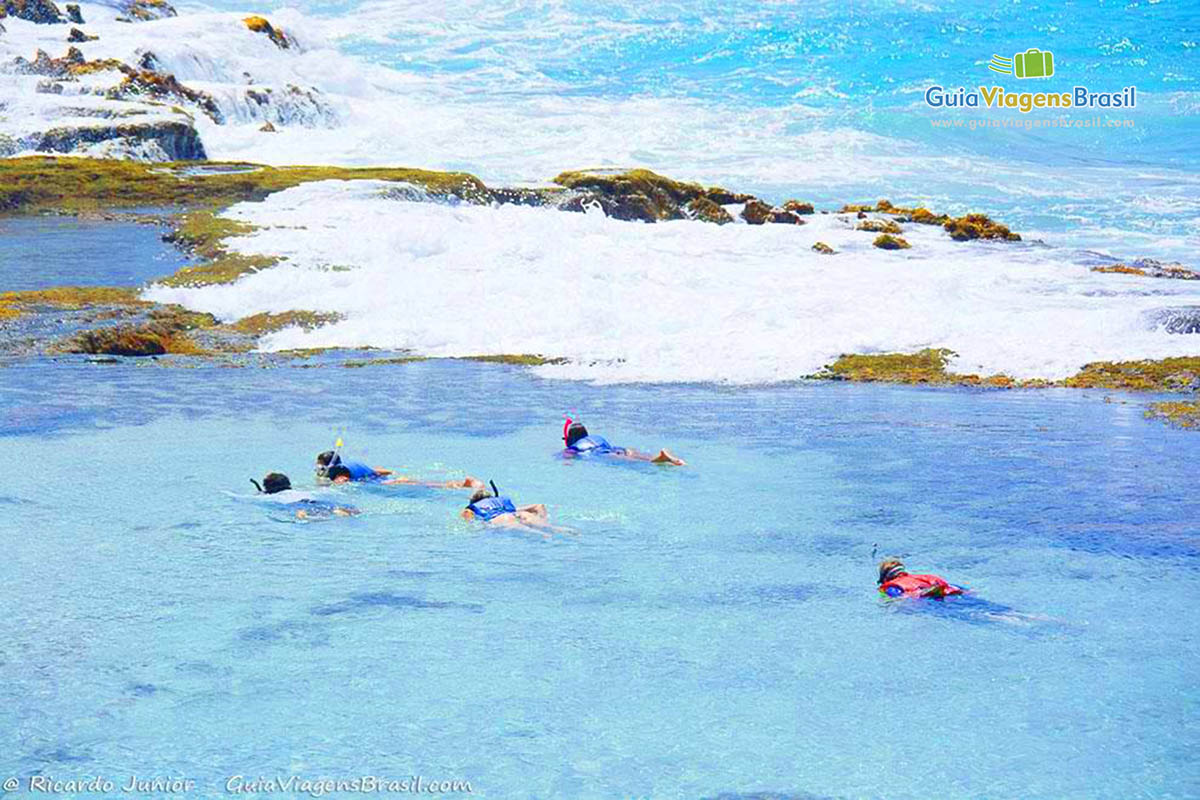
x,y
573,432
477,495
338,474
276,482
324,460
890,568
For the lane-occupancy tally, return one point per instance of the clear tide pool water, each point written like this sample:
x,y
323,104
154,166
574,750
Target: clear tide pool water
x,y
707,631
38,252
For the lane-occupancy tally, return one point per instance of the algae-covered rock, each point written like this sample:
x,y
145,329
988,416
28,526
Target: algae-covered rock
x,y
823,249
923,367
162,86
1176,413
177,140
782,217
74,14
261,25
706,210
129,340
885,241
267,127
1180,374
43,12
1151,268
636,194
926,217
797,207
147,10
878,226
724,197
756,212
260,324
978,226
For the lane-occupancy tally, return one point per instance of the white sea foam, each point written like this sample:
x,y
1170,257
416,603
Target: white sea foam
x,y
677,301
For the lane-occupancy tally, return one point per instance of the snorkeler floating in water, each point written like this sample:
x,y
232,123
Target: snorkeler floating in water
x,y
894,581
333,468
495,509
578,442
305,506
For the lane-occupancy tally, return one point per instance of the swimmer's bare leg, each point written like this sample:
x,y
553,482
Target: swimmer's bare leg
x,y
665,457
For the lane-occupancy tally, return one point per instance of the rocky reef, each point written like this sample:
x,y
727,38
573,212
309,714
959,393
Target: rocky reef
x,y
1178,414
174,140
923,367
1151,268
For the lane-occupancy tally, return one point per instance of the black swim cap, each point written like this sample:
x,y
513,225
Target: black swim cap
x,y
575,432
276,482
337,471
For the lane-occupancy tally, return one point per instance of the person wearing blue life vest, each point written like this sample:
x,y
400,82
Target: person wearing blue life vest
x,y
335,469
579,443
496,509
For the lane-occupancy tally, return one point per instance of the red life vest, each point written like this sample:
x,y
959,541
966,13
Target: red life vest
x,y
916,586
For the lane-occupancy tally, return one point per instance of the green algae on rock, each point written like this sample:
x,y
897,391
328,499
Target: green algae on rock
x,y
705,210
39,183
261,25
823,249
1178,414
1180,374
636,194
1151,268
885,241
878,226
260,324
923,367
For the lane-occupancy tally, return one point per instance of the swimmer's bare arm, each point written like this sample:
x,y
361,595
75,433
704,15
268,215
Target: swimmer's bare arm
x,y
663,457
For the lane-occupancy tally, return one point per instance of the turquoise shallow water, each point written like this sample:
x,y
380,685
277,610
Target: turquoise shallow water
x,y
710,630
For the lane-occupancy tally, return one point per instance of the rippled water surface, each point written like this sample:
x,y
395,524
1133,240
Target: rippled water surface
x,y
707,630
38,252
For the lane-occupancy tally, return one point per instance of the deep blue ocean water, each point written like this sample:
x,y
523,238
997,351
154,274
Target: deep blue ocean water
x,y
711,630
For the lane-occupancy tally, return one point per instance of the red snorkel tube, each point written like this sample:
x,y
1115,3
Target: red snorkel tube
x,y
566,426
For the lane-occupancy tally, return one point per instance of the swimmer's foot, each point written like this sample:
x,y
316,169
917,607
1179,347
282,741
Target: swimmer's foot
x,y
664,457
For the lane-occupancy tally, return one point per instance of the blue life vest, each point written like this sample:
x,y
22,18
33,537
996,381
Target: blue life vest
x,y
489,508
359,471
593,444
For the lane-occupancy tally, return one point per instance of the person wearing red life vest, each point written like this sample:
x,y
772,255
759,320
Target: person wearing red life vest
x,y
895,581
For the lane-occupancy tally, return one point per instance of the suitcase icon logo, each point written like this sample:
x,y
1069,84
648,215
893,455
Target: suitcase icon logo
x,y
1033,63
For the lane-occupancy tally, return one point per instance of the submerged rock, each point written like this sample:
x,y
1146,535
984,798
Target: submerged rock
x,y
797,207
49,87
706,210
885,241
1181,320
77,35
1176,414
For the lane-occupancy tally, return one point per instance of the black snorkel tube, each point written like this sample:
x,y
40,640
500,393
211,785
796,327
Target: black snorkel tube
x,y
495,491
257,485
